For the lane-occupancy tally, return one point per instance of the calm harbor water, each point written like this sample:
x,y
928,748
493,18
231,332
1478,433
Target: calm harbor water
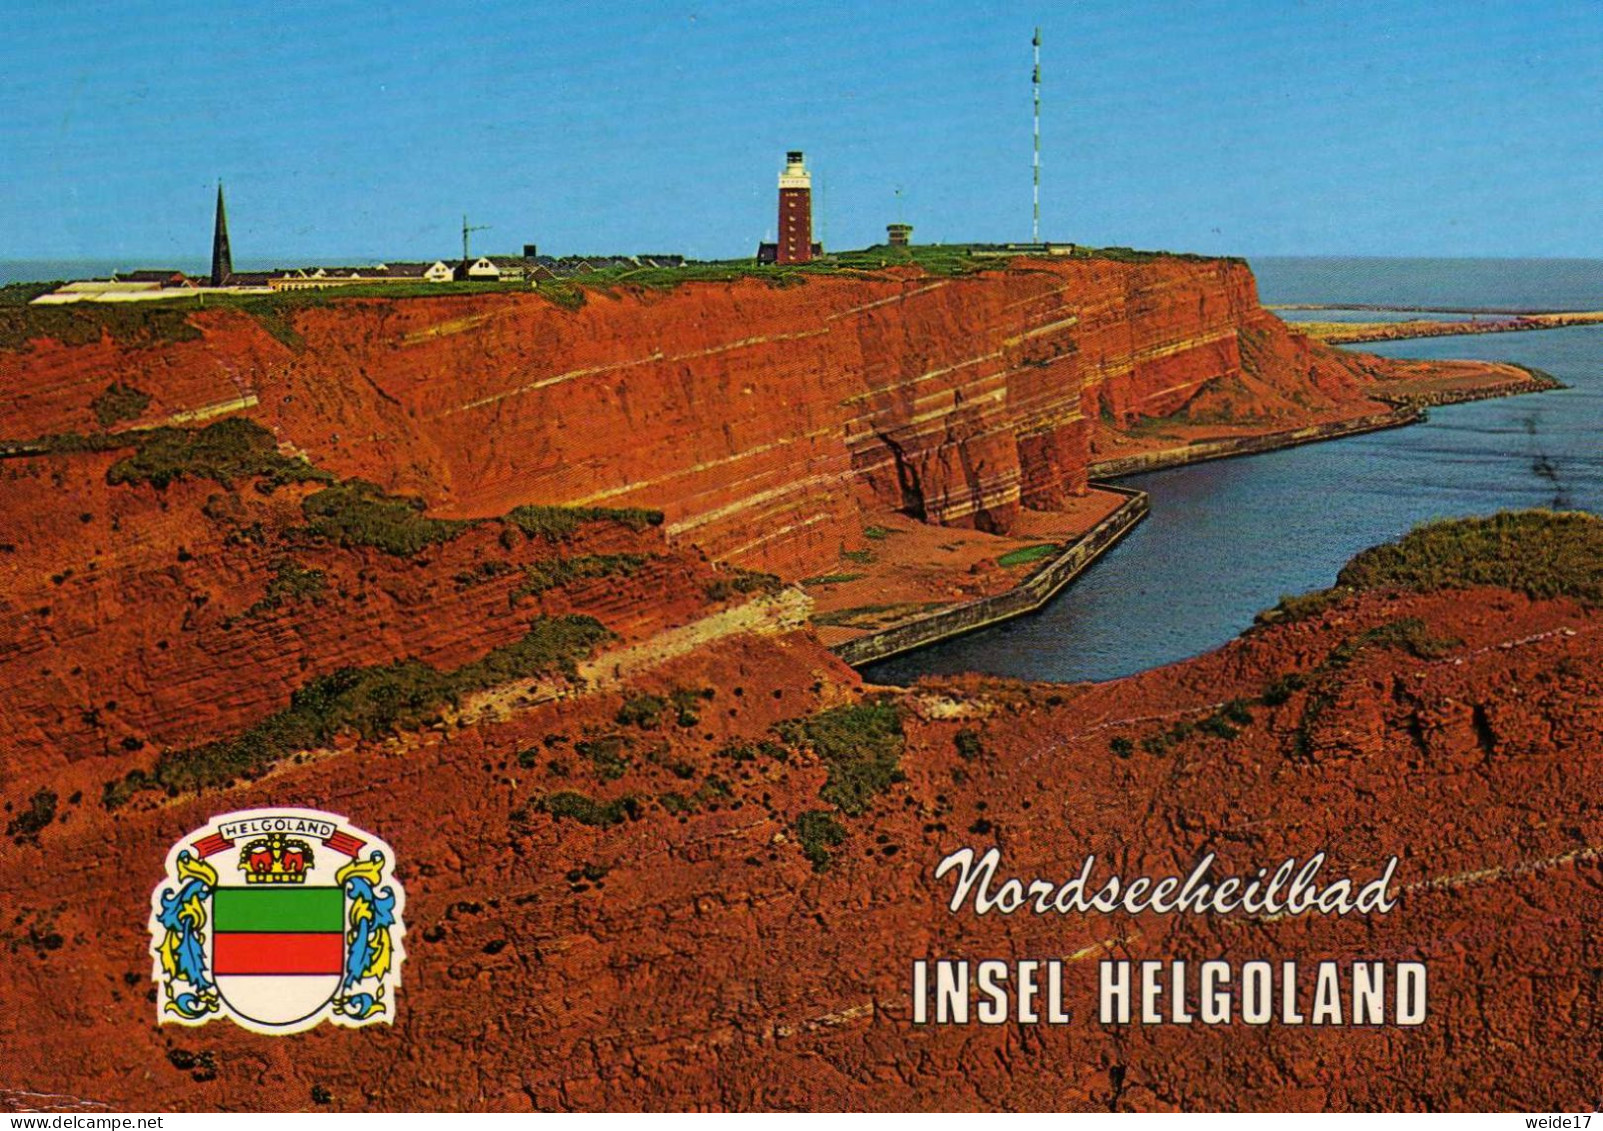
x,y
1229,538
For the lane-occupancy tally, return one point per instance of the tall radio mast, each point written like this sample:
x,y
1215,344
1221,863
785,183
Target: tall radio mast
x,y
1035,88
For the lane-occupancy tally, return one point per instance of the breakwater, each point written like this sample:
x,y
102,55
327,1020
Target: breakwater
x,y
1036,590
1539,382
1350,333
1229,447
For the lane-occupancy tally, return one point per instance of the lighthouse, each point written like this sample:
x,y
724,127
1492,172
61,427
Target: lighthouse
x,y
795,211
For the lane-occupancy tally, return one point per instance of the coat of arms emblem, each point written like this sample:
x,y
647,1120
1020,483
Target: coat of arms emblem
x,y
278,919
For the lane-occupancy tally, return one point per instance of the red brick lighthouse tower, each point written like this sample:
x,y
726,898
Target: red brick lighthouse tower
x,y
795,211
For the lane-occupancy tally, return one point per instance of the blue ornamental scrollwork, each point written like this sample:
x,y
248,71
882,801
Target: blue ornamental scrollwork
x,y
188,989
369,947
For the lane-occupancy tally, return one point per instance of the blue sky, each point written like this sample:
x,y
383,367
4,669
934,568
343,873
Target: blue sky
x,y
360,131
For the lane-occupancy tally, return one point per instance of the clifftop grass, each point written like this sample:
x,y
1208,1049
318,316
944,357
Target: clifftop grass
x,y
80,324
169,321
1542,554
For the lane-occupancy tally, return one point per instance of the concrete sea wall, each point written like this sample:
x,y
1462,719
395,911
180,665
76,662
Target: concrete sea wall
x,y
1030,594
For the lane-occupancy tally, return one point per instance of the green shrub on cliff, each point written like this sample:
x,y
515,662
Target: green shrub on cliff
x,y
1302,606
1280,689
571,805
642,710
118,403
558,573
372,701
228,451
1409,634
687,703
357,513
291,582
608,754
275,313
818,832
28,824
482,572
735,581
563,293
861,745
760,751
556,524
646,711
709,795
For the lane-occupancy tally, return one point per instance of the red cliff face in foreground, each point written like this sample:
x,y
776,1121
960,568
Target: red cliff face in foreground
x,y
687,955
764,420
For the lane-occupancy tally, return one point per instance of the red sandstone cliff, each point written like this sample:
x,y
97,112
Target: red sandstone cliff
x,y
764,420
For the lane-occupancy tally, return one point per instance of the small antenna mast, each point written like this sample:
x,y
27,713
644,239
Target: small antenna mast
x,y
1035,88
466,230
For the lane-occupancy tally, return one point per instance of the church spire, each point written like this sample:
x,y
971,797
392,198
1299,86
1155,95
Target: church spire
x,y
222,259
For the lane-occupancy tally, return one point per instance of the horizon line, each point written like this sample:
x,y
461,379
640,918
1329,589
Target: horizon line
x,y
368,259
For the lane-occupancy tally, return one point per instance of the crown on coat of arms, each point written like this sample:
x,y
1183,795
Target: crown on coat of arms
x,y
276,859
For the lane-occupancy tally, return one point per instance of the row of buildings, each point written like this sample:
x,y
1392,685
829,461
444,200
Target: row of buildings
x,y
134,286
531,267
